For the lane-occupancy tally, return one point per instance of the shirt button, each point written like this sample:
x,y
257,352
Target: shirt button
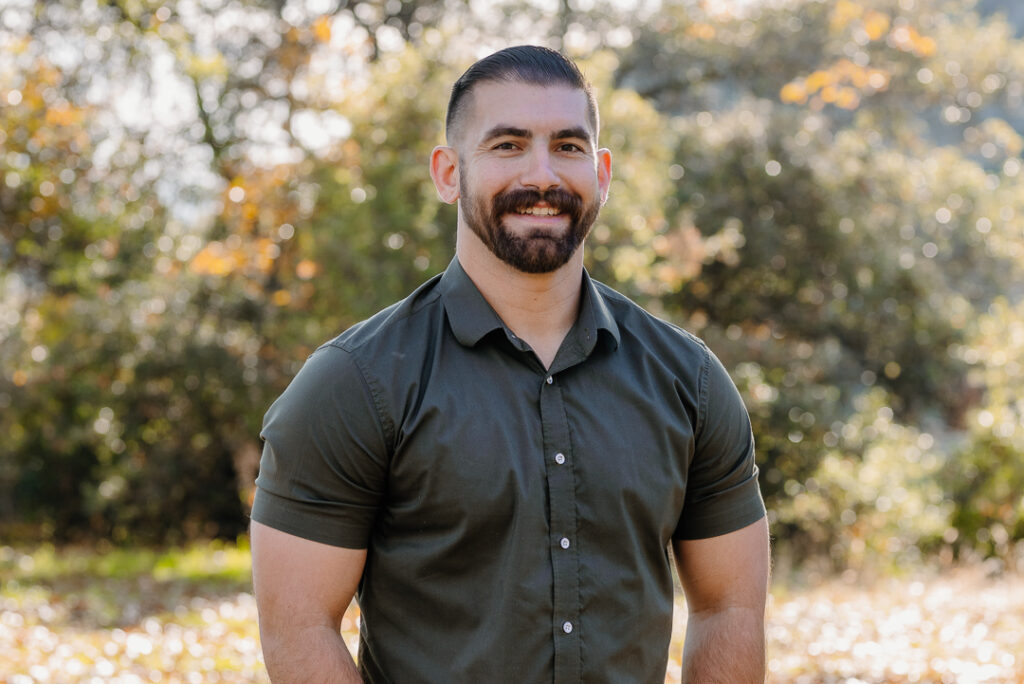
x,y
549,380
564,542
559,458
567,627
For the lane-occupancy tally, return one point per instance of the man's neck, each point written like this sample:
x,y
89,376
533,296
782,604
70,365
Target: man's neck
x,y
540,308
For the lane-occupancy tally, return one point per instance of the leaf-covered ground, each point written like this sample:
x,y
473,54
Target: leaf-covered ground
x,y
128,617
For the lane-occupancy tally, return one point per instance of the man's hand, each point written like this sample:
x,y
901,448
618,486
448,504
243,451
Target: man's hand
x,y
726,583
302,591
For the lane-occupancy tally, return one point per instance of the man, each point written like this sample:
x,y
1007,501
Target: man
x,y
500,462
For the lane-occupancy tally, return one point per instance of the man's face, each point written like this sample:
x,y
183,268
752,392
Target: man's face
x,y
531,182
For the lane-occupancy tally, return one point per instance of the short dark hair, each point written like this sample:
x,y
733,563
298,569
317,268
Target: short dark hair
x,y
522,64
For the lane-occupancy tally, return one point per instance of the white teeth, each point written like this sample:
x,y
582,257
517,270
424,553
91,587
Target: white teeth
x,y
540,211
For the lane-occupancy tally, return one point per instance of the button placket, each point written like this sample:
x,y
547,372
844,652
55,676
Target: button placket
x,y
562,513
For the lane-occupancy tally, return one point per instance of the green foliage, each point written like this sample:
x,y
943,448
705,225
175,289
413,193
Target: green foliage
x,y
378,228
875,495
621,240
842,226
985,476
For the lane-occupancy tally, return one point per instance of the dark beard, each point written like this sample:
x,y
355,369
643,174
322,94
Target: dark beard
x,y
539,251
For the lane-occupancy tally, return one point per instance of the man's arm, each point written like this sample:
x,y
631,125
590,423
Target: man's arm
x,y
726,583
302,591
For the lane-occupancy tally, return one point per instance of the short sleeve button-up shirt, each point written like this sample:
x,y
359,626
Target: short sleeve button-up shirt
x,y
517,518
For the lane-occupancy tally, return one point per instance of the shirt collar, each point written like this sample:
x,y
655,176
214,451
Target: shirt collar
x,y
594,315
469,314
471,317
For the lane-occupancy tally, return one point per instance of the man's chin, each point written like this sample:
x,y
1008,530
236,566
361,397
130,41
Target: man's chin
x,y
535,254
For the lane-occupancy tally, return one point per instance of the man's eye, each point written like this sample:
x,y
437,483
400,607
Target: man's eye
x,y
505,146
570,147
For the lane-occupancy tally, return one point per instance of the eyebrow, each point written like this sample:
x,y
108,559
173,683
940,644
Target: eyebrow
x,y
574,132
501,130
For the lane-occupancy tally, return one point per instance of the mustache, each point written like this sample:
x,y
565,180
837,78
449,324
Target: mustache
x,y
521,198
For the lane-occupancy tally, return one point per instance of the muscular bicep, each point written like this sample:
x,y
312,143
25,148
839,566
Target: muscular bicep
x,y
727,571
301,583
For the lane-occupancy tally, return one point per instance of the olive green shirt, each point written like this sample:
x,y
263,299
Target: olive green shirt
x,y
517,519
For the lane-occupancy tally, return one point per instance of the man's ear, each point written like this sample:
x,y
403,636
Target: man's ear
x,y
604,173
444,169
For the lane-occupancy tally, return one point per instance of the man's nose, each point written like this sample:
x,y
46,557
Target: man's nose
x,y
539,172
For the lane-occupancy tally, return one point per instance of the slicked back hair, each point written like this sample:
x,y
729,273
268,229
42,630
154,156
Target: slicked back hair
x,y
529,64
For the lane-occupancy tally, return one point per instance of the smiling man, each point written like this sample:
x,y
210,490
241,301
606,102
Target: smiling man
x,y
498,465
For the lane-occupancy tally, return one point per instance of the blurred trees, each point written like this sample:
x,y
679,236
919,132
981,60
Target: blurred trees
x,y
860,198
194,195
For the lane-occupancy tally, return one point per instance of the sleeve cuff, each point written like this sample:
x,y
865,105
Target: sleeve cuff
x,y
326,522
728,511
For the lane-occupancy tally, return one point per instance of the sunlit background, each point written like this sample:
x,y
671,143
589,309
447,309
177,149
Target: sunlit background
x,y
196,194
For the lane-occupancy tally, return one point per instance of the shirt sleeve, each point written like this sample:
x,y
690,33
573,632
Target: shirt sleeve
x,y
722,493
325,455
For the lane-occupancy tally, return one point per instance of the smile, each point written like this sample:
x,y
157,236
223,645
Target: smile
x,y
540,211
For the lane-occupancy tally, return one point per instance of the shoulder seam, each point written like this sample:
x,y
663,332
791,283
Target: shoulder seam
x,y
387,426
703,391
654,319
348,344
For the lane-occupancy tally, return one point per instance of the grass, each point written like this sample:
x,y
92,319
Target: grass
x,y
128,616
212,561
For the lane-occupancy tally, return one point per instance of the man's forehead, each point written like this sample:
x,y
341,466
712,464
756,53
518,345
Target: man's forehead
x,y
535,108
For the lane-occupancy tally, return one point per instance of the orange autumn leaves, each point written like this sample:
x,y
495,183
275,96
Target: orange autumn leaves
x,y
251,259
876,25
322,29
260,247
844,83
221,258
